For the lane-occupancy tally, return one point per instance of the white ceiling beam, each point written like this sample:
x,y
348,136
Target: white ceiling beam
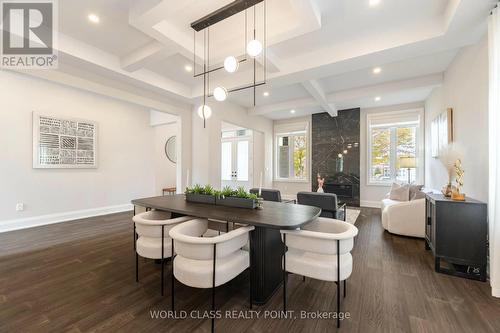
x,y
140,57
433,80
288,105
86,54
316,91
348,95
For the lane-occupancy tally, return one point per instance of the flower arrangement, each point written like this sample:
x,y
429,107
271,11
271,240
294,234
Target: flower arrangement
x,y
448,157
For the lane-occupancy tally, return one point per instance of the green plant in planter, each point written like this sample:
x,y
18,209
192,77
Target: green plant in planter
x,y
197,189
227,192
208,190
242,193
218,194
252,196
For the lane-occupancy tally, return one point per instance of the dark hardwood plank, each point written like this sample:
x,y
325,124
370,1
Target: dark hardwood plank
x,y
79,277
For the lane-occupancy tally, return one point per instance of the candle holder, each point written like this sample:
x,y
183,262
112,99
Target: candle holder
x,y
260,202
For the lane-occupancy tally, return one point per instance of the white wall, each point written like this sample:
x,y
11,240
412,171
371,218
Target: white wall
x,y
125,151
165,170
371,195
206,143
465,89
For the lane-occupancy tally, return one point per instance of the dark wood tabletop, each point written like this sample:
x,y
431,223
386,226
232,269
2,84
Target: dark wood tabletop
x,y
274,215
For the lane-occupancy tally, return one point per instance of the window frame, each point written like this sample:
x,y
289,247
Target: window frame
x,y
395,120
291,130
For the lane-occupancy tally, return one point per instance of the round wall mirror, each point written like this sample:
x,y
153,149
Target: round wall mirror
x,y
171,150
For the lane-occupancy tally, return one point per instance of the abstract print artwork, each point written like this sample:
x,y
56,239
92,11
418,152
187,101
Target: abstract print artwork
x,y
64,143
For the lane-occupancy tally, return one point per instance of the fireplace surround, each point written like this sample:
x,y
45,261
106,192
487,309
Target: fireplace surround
x,y
335,144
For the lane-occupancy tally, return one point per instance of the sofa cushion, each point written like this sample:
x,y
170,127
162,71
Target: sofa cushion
x,y
416,192
400,192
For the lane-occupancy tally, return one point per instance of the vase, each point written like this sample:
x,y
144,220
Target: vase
x,y
447,190
456,195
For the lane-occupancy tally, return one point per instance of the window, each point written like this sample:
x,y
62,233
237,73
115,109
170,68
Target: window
x,y
292,153
394,148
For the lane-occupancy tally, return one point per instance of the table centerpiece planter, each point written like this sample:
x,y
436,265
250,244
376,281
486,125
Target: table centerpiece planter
x,y
237,202
200,198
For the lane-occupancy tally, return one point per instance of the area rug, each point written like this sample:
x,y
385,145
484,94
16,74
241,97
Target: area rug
x,y
352,215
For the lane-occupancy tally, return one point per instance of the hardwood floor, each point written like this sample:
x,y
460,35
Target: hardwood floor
x,y
79,277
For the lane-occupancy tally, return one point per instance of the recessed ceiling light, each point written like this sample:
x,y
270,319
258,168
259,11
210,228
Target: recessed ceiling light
x,y
374,3
378,98
377,70
188,68
292,111
265,94
93,18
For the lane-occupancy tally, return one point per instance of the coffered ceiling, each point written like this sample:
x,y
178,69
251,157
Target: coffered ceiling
x,y
321,54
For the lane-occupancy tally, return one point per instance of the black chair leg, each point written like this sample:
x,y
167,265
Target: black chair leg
x,y
173,277
162,258
136,267
338,284
136,255
249,269
213,288
284,274
345,283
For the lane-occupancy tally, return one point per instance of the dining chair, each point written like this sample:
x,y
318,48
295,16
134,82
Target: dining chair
x,y
151,237
208,262
320,250
328,203
267,194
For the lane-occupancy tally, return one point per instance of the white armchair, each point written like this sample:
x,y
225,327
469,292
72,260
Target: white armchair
x,y
405,218
151,237
208,262
320,250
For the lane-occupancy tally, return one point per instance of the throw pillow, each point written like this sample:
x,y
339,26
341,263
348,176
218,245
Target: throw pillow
x,y
414,192
399,192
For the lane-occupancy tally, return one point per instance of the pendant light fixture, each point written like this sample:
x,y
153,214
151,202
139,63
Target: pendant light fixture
x,y
220,94
253,49
231,64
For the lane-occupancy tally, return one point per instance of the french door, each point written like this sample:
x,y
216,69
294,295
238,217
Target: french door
x,y
237,162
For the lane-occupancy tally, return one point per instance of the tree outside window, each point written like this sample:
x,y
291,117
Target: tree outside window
x,y
291,158
387,145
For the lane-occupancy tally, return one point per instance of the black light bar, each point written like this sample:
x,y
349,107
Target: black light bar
x,y
223,13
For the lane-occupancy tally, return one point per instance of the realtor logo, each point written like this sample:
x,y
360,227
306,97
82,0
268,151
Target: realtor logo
x,y
29,34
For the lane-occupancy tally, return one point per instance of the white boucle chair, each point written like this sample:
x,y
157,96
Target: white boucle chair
x,y
313,251
151,237
208,262
406,218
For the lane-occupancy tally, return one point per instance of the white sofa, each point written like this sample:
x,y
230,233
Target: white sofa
x,y
405,218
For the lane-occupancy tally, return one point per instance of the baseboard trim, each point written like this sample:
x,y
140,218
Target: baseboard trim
x,y
36,221
495,292
370,204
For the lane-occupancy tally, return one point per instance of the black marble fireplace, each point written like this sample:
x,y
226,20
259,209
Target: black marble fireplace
x,y
335,154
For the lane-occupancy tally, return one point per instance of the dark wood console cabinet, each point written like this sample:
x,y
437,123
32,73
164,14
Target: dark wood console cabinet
x,y
456,232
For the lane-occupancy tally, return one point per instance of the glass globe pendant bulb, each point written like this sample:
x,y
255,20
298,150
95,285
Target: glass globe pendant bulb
x,y
254,48
231,64
204,109
220,94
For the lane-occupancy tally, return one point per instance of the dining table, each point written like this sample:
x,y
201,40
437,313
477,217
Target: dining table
x,y
266,246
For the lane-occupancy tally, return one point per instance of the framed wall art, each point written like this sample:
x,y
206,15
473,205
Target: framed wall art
x,y
60,142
